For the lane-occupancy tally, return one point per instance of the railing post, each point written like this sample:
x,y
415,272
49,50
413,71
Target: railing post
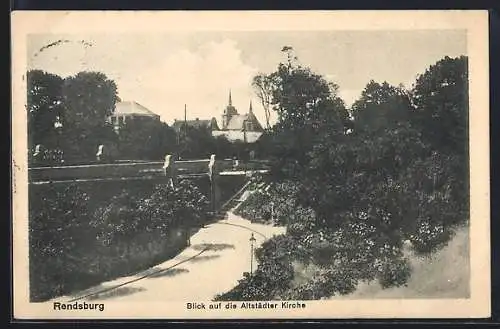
x,y
99,155
37,155
213,174
169,169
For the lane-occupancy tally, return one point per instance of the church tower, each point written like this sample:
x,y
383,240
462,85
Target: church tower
x,y
229,112
249,118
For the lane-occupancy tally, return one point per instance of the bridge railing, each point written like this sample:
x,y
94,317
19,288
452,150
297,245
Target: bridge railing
x,y
169,171
153,169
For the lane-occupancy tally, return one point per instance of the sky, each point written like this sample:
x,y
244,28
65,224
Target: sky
x,y
167,71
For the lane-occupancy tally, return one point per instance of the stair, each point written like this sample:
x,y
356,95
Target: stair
x,y
232,203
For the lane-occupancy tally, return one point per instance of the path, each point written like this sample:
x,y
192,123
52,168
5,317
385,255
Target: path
x,y
213,264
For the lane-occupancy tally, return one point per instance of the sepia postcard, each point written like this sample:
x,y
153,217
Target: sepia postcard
x,y
250,165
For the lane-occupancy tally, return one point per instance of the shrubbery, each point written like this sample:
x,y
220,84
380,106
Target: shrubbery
x,y
75,242
273,275
351,201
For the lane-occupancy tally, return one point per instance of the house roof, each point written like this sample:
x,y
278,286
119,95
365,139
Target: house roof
x,y
132,108
197,123
237,122
235,135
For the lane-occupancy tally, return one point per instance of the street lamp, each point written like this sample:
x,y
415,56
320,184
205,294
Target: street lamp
x,y
252,240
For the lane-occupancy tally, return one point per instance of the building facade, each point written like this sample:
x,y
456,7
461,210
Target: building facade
x,y
196,123
232,120
130,110
243,127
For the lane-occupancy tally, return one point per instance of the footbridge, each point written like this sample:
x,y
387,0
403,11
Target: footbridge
x,y
168,171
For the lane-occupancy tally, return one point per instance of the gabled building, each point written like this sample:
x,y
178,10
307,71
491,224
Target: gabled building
x,y
197,123
235,126
130,110
232,120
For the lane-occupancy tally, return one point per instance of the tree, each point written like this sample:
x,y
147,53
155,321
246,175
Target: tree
x,y
381,106
45,107
296,95
89,98
307,106
262,85
351,200
291,59
145,139
441,101
197,142
224,148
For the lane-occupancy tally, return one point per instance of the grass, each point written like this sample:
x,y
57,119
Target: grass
x,y
443,274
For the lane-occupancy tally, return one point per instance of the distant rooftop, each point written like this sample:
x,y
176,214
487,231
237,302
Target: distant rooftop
x,y
235,135
197,123
132,108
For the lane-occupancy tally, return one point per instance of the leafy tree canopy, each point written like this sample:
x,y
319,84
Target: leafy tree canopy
x,y
145,139
381,106
90,98
44,106
440,97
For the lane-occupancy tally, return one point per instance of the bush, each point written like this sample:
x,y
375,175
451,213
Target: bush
x,y
324,283
395,273
256,207
73,245
277,204
58,234
273,275
361,246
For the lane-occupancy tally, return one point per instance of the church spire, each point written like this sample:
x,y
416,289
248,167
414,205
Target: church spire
x,y
250,110
230,100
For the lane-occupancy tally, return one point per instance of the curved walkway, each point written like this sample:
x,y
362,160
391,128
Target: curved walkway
x,y
213,264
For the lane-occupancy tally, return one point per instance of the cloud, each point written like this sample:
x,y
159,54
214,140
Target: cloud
x,y
163,74
201,79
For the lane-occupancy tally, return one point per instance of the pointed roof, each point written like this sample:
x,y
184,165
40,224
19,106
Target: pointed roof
x,y
238,135
230,110
236,122
132,108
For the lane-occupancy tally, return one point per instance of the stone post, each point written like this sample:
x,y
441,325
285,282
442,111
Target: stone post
x,y
38,154
213,174
100,153
169,169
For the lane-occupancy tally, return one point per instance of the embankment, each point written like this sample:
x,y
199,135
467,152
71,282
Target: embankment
x,y
443,274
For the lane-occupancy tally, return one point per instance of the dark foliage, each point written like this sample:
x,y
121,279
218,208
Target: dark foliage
x,y
351,194
81,235
145,139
